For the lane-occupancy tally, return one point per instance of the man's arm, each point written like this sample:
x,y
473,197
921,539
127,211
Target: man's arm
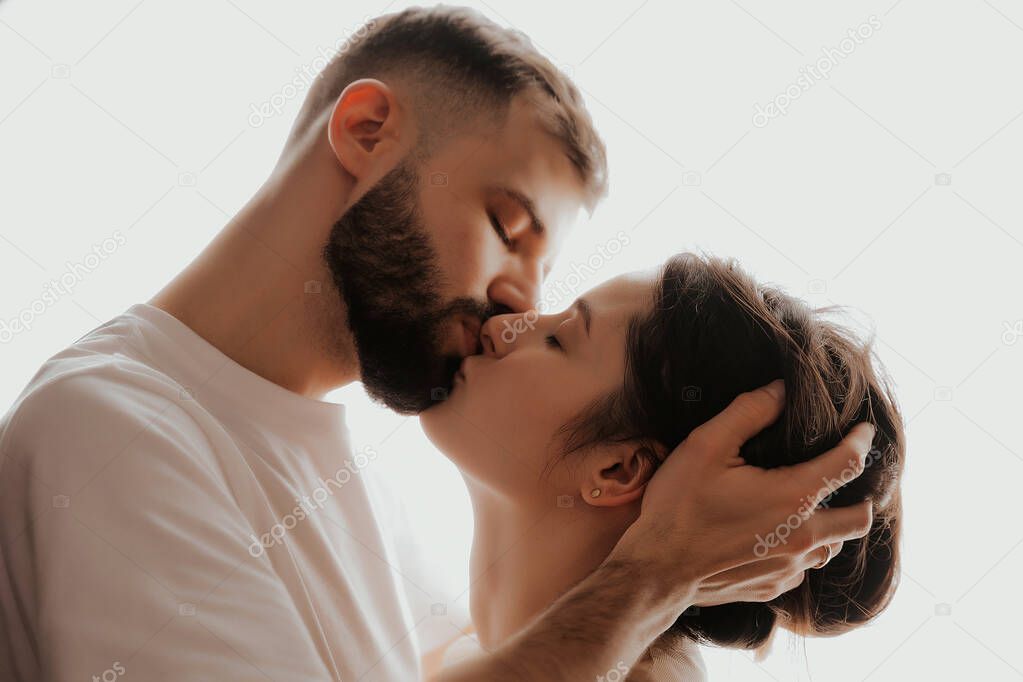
x,y
695,543
602,624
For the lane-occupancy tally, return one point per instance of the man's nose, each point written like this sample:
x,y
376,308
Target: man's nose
x,y
517,292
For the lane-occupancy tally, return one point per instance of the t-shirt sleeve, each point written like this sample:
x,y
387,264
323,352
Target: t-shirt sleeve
x,y
123,550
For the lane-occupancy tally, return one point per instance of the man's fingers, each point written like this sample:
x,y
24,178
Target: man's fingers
x,y
829,526
823,475
746,416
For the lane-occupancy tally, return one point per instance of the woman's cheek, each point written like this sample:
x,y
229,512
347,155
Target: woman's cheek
x,y
514,398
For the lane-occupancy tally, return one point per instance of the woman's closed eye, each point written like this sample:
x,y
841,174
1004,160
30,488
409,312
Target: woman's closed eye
x,y
552,341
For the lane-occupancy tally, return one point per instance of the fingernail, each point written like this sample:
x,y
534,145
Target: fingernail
x,y
869,428
776,388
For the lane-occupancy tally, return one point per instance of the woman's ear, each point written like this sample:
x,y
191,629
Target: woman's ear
x,y
618,474
365,129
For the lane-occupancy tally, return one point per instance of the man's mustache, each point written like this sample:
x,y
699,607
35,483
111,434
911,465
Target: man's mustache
x,y
467,306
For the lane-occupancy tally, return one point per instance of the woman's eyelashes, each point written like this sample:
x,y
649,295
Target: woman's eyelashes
x,y
552,341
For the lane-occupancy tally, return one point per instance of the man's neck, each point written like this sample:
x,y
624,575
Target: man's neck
x,y
260,291
526,554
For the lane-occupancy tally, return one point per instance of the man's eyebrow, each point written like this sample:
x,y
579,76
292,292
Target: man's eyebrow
x,y
528,206
583,306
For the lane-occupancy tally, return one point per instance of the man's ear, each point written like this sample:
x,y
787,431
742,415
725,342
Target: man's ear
x,y
618,474
365,129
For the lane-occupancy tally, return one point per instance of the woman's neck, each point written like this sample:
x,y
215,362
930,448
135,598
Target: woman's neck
x,y
527,553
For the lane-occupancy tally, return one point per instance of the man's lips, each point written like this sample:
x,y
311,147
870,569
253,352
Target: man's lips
x,y
470,337
460,374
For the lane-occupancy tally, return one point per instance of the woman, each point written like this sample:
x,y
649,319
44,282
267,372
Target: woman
x,y
560,423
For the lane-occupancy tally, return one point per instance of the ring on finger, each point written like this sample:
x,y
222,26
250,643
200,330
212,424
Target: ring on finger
x,y
826,559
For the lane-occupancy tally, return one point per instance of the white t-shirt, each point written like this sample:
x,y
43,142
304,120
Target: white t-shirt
x,y
166,514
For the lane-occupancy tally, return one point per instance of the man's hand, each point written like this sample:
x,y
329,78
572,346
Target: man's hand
x,y
715,530
712,530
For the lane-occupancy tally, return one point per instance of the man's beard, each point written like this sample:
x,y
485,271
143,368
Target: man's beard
x,y
386,270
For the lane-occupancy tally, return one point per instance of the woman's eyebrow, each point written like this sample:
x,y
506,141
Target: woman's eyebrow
x,y
583,306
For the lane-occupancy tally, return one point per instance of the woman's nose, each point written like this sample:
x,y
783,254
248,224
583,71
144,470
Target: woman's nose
x,y
500,334
487,339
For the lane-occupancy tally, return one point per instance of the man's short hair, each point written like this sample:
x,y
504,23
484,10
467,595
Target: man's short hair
x,y
461,69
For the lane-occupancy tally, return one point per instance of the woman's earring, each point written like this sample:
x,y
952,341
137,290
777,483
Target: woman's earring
x,y
595,492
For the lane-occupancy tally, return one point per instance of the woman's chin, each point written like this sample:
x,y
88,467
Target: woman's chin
x,y
440,424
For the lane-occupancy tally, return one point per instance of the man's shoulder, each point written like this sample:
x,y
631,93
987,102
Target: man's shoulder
x,y
89,400
79,380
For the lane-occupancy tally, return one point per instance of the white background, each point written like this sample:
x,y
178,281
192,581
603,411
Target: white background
x,y
133,118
